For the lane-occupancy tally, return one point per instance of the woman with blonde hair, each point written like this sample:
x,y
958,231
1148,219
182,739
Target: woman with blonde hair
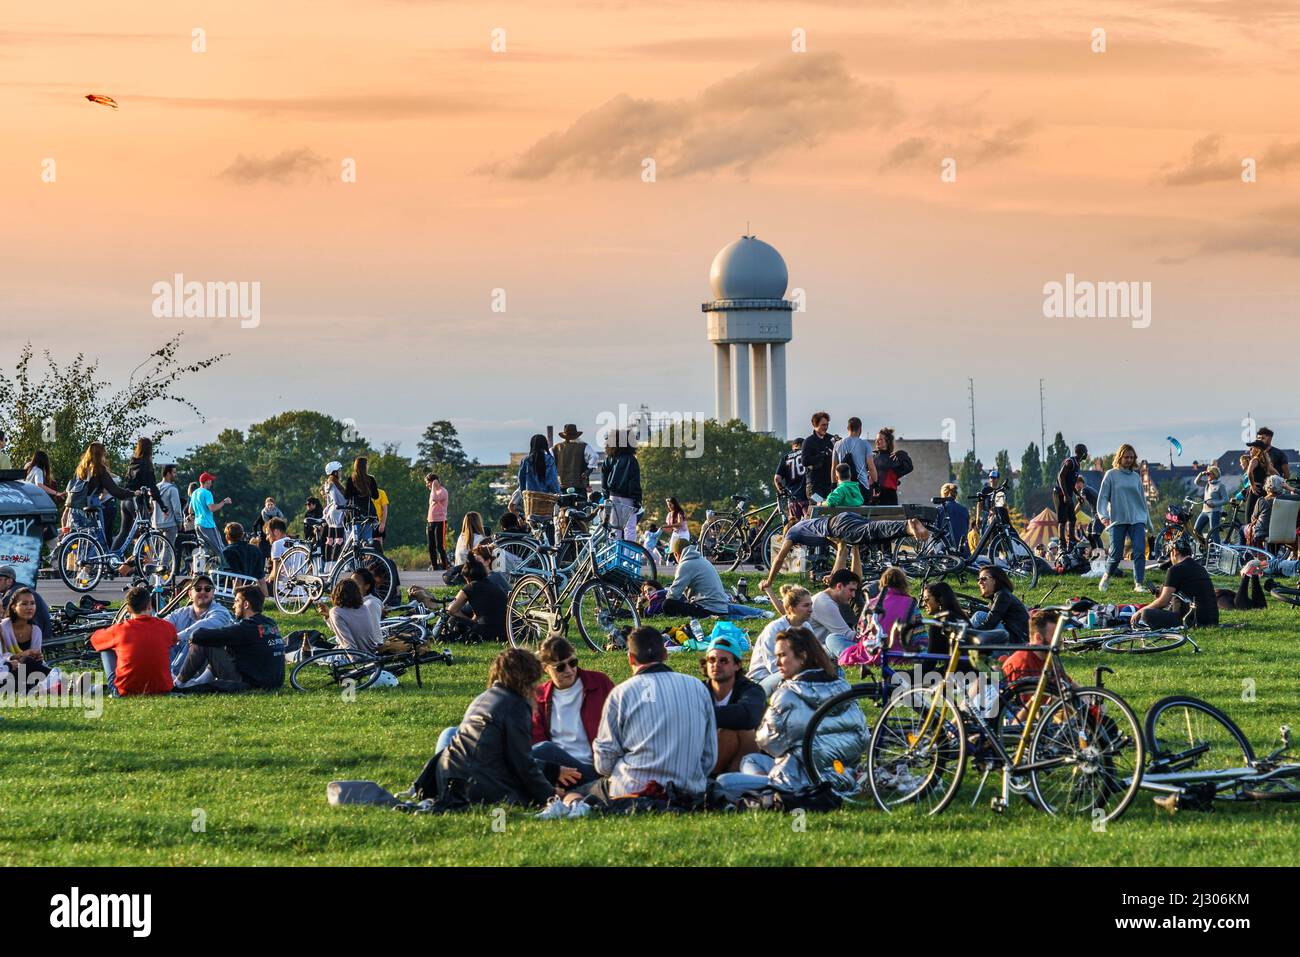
x,y
91,488
471,533
1213,499
794,606
1122,508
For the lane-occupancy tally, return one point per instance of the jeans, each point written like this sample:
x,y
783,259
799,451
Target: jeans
x,y
444,740
1210,517
836,645
624,517
745,611
1137,536
550,751
754,769
211,542
109,660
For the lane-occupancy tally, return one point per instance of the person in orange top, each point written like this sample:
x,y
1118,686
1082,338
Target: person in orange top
x,y
1029,663
137,651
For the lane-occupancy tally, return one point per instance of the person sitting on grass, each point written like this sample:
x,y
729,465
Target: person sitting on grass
x,y
488,759
738,703
481,604
892,605
567,717
940,601
1187,582
9,587
245,656
848,492
658,727
20,639
277,534
809,678
239,556
203,611
697,591
794,606
365,580
136,652
355,626
1026,664
1005,609
833,618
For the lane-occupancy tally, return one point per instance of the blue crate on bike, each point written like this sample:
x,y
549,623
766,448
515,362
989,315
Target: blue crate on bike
x,y
619,559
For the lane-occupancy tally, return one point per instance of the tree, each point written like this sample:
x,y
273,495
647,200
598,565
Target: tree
x,y
1057,453
72,405
970,476
440,445
1031,477
733,460
1003,464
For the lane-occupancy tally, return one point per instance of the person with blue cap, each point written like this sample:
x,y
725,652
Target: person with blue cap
x,y
738,703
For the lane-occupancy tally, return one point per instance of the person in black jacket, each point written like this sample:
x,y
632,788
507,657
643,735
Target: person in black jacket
x,y
361,490
239,556
489,758
816,454
620,477
1063,494
891,465
738,703
139,478
244,656
1005,609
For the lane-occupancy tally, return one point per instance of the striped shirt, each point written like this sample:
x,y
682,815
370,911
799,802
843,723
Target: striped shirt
x,y
659,725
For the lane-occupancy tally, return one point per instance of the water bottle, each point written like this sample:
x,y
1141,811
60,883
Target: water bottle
x,y
1092,618
697,629
742,593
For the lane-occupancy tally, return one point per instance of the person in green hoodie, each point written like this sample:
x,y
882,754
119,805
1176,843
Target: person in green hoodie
x,y
848,493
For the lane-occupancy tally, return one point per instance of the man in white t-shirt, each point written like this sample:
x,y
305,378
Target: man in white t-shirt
x,y
277,533
569,704
832,615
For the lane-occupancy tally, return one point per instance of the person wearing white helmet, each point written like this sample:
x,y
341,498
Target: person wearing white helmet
x,y
333,498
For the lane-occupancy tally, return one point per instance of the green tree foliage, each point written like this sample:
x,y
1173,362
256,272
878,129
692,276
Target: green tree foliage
x,y
969,477
734,460
440,445
1031,478
1003,464
71,405
1057,453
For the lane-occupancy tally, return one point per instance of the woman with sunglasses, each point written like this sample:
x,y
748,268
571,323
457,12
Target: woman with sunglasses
x,y
1005,609
569,704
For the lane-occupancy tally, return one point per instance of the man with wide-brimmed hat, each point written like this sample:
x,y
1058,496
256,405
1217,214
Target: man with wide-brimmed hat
x,y
574,460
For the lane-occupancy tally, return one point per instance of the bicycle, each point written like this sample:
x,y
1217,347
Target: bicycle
x,y
351,668
587,591
82,556
302,576
1198,755
73,626
999,543
738,536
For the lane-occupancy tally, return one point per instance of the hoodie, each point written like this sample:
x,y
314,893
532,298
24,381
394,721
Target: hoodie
x,y
699,582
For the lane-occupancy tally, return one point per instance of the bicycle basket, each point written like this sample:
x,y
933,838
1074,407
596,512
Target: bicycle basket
x,y
619,559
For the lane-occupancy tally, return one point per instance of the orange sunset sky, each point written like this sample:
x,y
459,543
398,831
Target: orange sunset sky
x,y
521,170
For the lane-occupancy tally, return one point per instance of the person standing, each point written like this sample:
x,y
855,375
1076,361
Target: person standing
x,y
1122,508
334,500
436,527
5,461
1063,495
382,506
140,479
574,460
790,481
1213,499
1276,456
269,511
621,479
205,510
1258,468
361,491
891,466
816,455
167,511
853,451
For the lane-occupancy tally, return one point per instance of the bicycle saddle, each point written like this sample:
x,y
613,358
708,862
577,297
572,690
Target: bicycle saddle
x,y
988,636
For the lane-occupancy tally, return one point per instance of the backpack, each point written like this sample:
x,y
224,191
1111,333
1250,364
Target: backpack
x,y
818,797
902,464
78,497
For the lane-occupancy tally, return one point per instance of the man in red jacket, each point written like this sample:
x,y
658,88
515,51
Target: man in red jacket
x,y
567,717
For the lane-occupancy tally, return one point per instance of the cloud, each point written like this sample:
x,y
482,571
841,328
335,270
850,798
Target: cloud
x,y
783,104
374,106
975,147
1275,232
282,168
1207,163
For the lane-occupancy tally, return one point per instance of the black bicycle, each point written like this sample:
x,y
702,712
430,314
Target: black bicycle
x,y
999,543
743,536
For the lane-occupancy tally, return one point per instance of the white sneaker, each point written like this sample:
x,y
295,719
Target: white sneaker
x,y
1104,583
1141,590
555,809
581,809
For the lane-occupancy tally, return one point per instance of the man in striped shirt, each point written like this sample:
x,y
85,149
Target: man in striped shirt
x,y
658,725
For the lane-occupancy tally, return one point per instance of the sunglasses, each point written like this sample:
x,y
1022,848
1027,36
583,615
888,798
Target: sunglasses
x,y
565,665
202,588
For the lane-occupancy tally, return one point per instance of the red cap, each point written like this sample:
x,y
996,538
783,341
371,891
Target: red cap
x,y
207,477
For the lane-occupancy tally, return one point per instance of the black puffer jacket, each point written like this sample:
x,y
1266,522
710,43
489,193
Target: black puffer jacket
x,y
140,477
492,755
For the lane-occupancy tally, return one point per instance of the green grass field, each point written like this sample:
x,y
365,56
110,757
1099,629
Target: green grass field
x,y
241,780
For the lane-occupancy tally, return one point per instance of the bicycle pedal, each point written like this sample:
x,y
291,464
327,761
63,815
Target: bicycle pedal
x,y
1167,802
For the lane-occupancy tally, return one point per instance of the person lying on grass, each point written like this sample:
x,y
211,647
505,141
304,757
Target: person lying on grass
x,y
245,656
738,703
809,678
488,759
658,730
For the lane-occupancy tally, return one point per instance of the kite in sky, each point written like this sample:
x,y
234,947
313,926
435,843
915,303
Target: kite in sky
x,y
1175,445
102,100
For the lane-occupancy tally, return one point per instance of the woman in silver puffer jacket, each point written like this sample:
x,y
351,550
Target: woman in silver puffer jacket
x,y
810,678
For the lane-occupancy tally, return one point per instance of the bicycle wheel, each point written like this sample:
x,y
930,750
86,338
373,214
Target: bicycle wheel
x,y
1144,642
81,561
918,752
1093,752
1187,734
333,669
1015,556
523,557
154,549
531,608
292,592
372,559
832,752
602,610
720,540
649,569
1232,534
